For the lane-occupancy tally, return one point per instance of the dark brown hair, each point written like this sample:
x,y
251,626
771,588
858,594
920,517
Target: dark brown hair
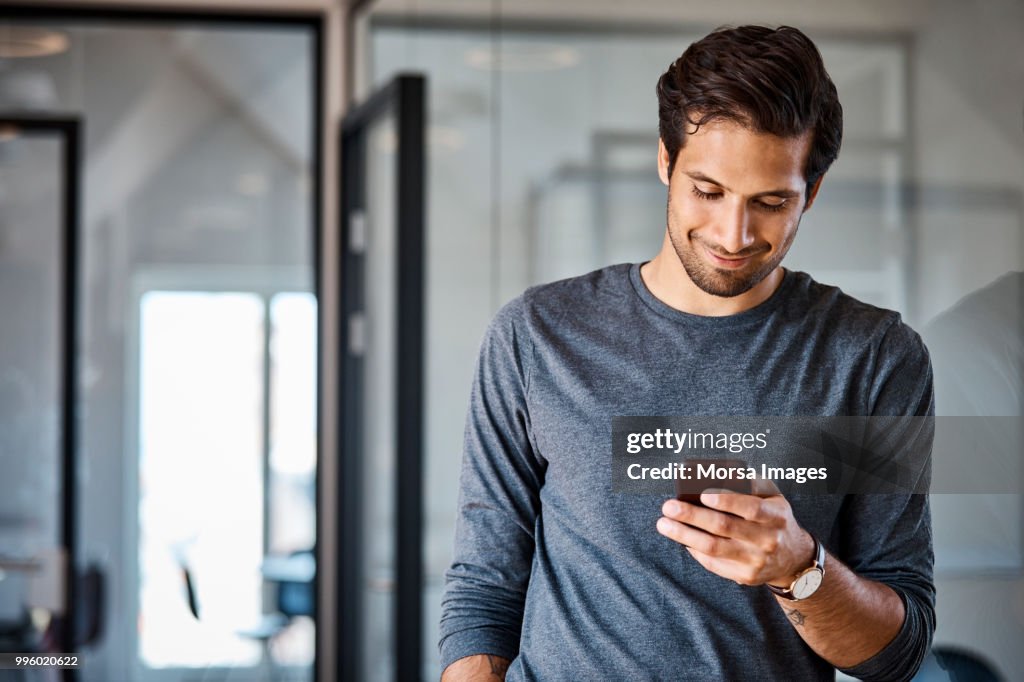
x,y
768,80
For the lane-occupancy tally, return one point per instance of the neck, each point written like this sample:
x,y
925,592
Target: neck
x,y
668,281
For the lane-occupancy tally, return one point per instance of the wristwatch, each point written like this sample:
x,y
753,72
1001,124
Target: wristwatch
x,y
807,581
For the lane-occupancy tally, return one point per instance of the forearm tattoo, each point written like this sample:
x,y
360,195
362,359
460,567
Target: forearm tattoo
x,y
499,666
794,616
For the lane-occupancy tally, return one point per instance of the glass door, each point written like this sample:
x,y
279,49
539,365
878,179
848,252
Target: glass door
x,y
197,442
382,242
38,216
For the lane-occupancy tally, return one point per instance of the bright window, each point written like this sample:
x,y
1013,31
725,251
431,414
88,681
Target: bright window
x,y
206,364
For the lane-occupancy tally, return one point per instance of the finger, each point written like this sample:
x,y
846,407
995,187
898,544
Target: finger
x,y
749,507
713,521
726,568
707,543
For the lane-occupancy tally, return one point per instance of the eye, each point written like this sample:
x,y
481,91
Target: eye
x,y
707,196
772,207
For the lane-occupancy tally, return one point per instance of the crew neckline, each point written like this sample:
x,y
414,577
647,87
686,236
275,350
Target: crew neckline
x,y
755,314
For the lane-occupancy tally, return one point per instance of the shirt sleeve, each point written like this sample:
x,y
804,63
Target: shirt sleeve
x,y
499,501
888,537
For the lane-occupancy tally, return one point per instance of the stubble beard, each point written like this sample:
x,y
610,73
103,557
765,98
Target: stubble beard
x,y
717,281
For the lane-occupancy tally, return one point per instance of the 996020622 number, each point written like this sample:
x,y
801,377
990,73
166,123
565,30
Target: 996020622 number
x,y
43,661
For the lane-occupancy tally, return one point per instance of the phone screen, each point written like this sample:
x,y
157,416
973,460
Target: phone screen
x,y
724,475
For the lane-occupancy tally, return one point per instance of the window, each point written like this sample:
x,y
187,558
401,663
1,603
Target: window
x,y
227,458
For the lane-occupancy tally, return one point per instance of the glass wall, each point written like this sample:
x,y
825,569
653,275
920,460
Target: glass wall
x,y
197,343
542,143
34,215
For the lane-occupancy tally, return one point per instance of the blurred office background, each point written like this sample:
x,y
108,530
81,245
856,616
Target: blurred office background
x,y
220,362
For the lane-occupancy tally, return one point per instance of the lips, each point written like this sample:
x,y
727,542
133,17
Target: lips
x,y
727,263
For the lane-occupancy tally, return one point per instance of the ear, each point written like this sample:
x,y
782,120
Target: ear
x,y
814,193
663,162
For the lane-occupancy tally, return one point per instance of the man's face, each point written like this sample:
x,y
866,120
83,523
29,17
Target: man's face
x,y
734,204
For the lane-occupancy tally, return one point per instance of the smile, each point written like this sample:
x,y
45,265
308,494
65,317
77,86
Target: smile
x,y
728,263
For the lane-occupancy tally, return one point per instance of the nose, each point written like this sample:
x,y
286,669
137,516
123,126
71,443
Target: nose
x,y
734,230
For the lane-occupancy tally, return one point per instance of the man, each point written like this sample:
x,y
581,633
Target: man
x,y
555,577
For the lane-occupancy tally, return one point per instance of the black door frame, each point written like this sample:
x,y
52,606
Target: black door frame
x,y
68,130
405,99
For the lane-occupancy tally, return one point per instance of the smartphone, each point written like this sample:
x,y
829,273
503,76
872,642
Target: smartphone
x,y
725,476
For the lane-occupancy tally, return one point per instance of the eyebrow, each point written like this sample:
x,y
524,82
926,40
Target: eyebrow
x,y
784,193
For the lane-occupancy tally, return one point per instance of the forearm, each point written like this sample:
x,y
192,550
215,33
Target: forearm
x,y
479,668
849,619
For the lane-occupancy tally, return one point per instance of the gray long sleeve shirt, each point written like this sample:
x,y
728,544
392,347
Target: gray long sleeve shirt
x,y
572,581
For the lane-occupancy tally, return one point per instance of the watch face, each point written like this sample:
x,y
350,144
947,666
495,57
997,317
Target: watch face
x,y
807,584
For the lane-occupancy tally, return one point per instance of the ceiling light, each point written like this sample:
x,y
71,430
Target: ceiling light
x,y
252,184
31,41
522,57
9,132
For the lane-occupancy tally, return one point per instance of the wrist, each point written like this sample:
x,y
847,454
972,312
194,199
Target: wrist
x,y
804,557
806,581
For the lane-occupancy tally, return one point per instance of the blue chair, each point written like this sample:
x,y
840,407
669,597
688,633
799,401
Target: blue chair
x,y
951,664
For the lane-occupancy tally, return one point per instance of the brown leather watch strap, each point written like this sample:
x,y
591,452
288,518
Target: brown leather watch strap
x,y
818,565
